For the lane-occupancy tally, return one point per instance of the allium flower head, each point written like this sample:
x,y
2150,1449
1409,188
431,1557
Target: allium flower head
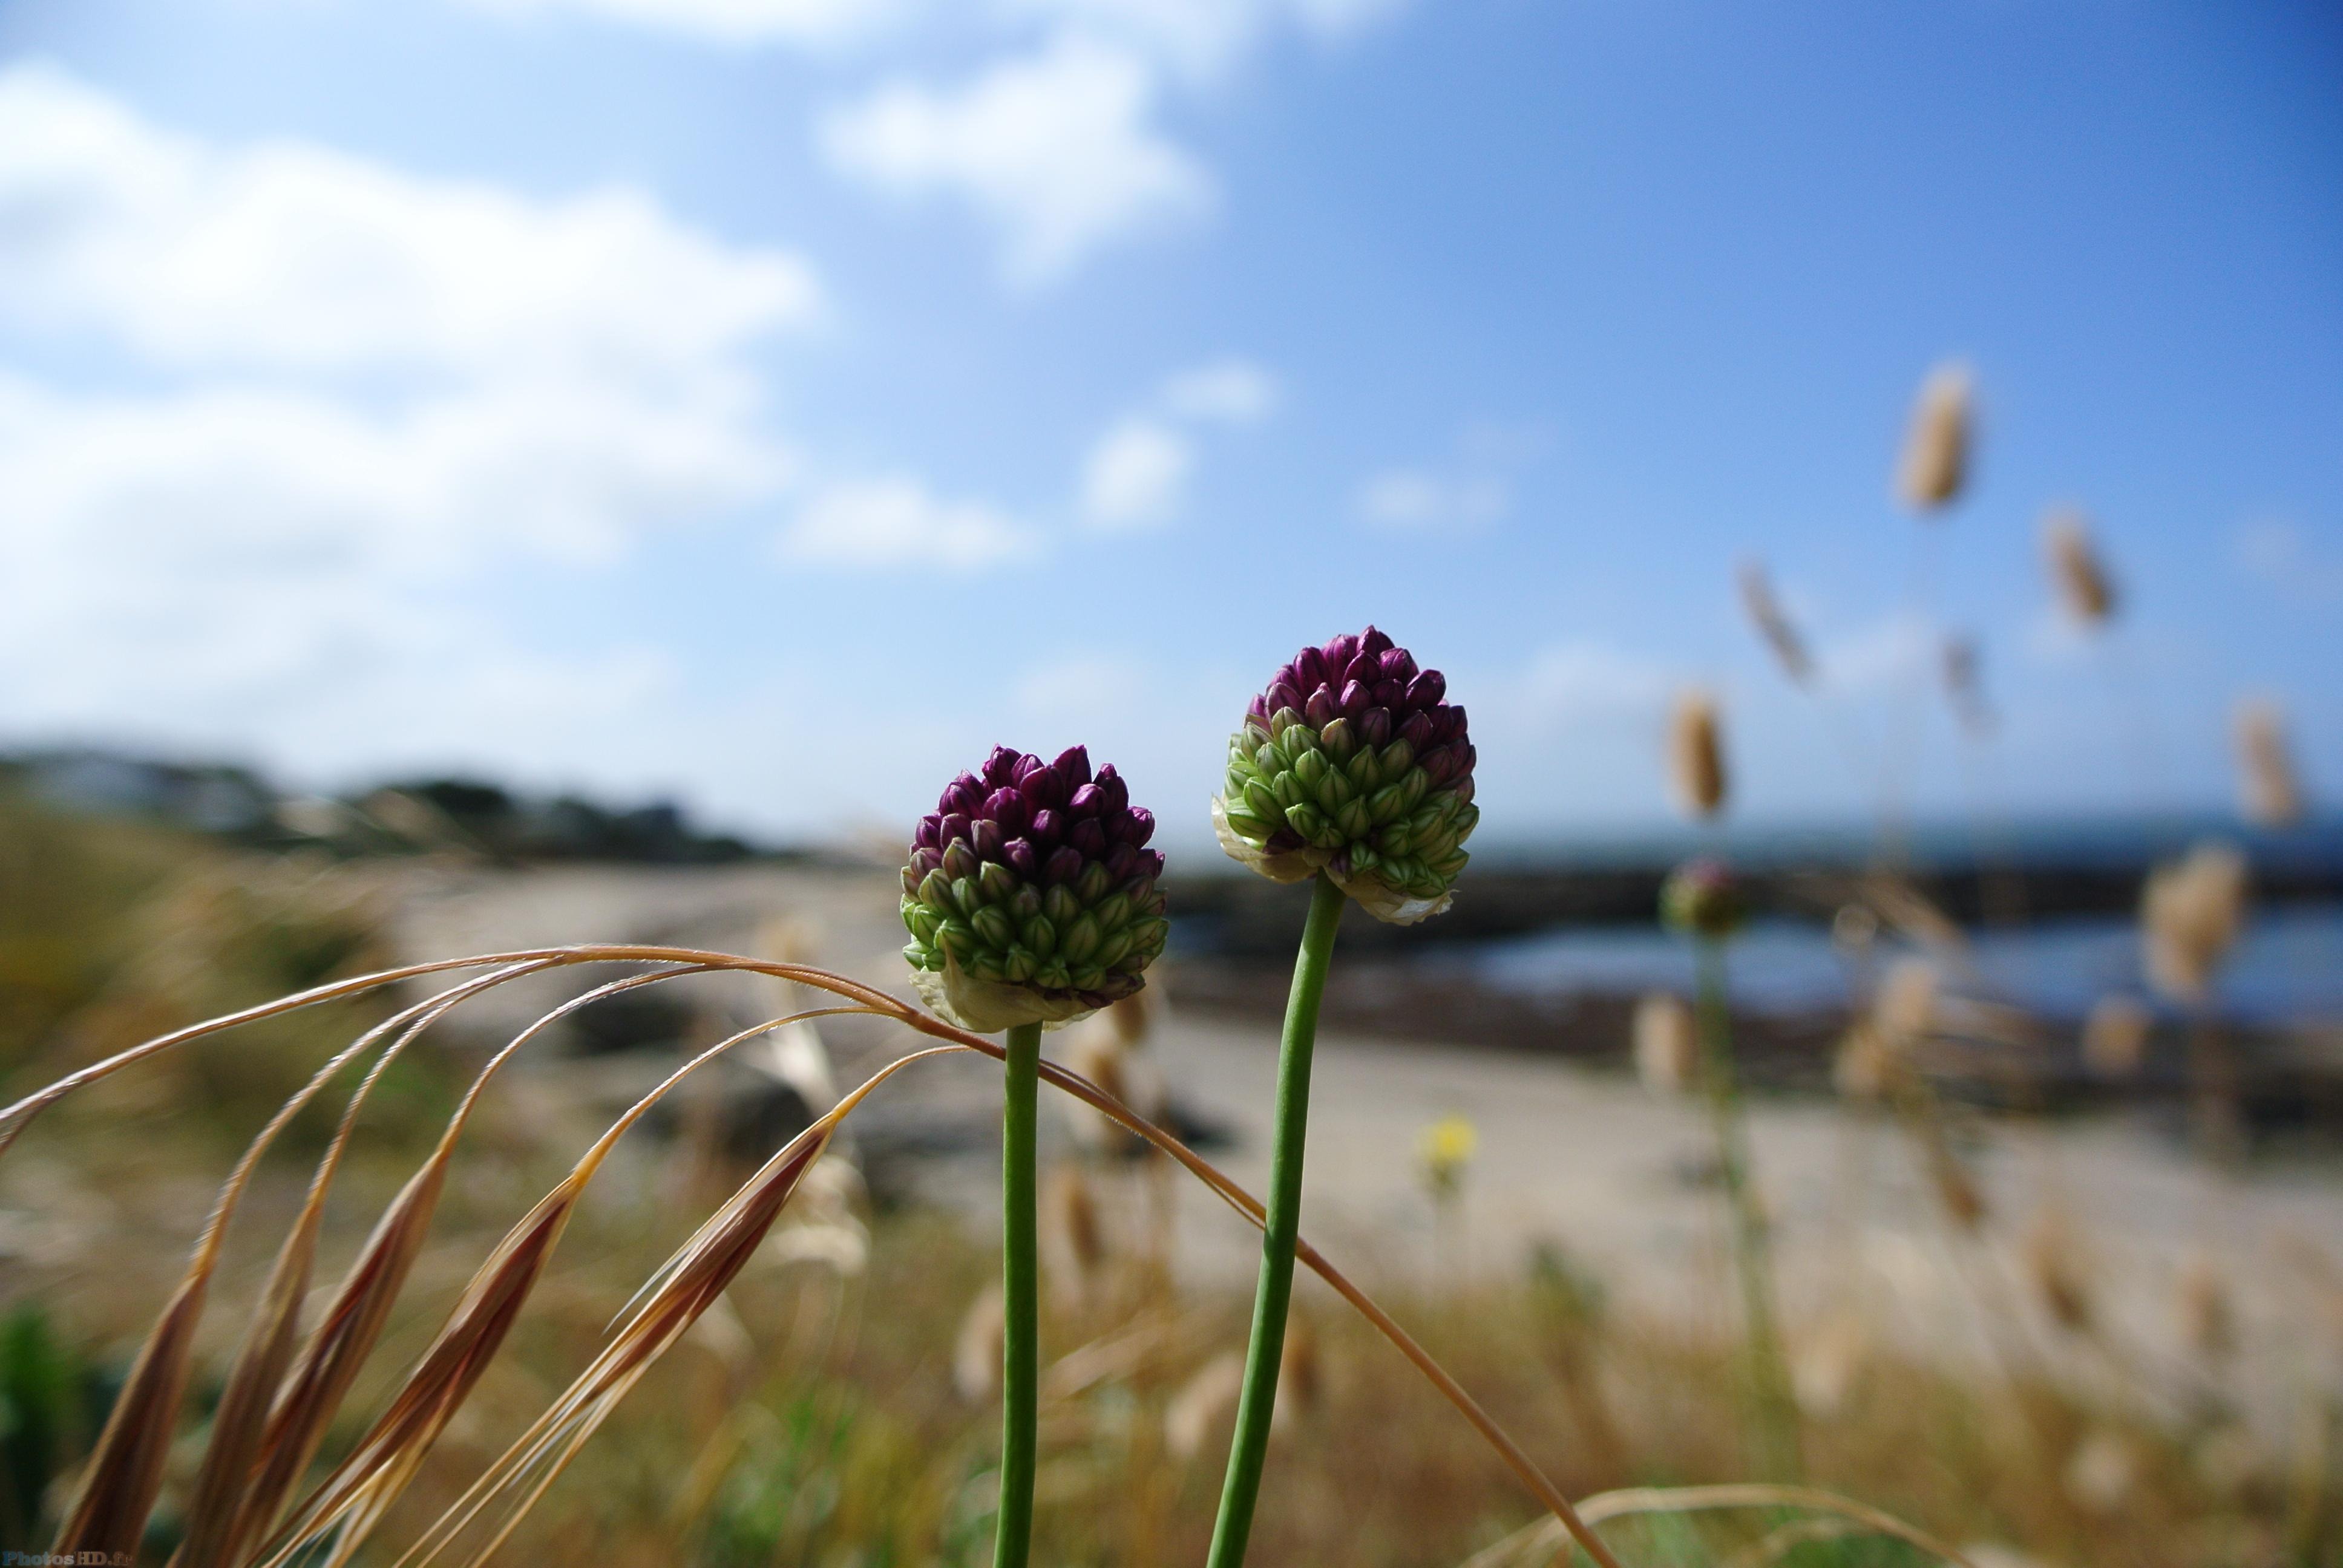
x,y
1353,762
1703,898
1031,893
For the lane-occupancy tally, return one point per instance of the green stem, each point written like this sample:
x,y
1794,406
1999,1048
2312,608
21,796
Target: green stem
x,y
1266,1351
1019,1357
1775,1407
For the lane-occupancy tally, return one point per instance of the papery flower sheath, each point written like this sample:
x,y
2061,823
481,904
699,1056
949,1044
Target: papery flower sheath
x,y
1031,894
1354,763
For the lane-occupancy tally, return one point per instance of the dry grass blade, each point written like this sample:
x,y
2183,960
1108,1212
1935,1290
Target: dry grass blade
x,y
1540,1542
125,1470
684,1288
117,1490
220,1512
351,1326
14,1118
1700,1499
353,1497
1782,1540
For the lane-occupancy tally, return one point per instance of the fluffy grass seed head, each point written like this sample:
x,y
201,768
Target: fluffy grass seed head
x,y
2079,574
1773,623
1703,898
1935,461
1031,894
1443,1150
1697,754
1863,1068
2190,915
2115,1036
2271,790
1667,1043
1354,763
2055,1262
976,1349
1904,1009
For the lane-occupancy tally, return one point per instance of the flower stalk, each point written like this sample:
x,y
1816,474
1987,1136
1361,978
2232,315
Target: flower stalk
x,y
1353,771
1774,1406
1257,1398
1020,1297
1031,899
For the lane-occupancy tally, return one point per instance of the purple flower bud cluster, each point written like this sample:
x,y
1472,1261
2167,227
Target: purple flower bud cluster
x,y
1355,760
1037,875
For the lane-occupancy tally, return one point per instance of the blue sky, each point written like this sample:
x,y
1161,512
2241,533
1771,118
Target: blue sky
x,y
776,402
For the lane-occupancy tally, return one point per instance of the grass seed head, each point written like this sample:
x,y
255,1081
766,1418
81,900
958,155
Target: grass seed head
x,y
1697,754
1773,623
1862,1070
2103,1471
2208,1321
1667,1043
1904,1009
2116,1035
1935,461
2271,791
2076,571
2060,1276
1205,1404
2190,917
1300,1377
1074,1237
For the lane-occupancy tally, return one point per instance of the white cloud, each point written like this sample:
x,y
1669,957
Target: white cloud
x,y
1583,679
732,22
895,521
1417,498
2275,551
291,257
1137,475
345,394
1203,37
1895,652
1080,687
1055,149
1225,392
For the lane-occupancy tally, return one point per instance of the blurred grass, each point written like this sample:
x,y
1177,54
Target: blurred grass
x,y
814,1421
